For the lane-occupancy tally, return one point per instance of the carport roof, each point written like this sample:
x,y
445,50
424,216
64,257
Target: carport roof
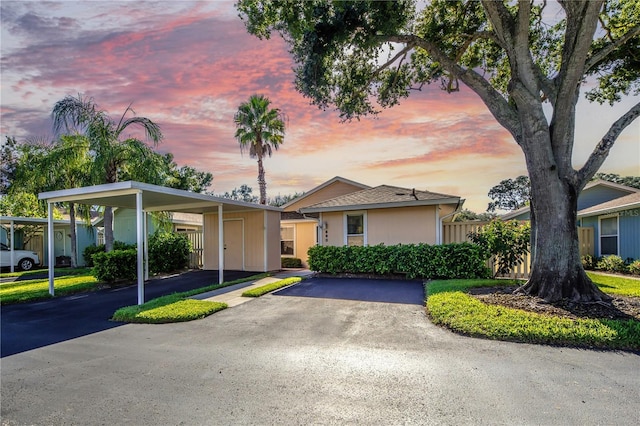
x,y
154,198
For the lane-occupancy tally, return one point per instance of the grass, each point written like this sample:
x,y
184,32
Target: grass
x,y
177,307
38,289
621,286
268,288
57,271
449,305
166,309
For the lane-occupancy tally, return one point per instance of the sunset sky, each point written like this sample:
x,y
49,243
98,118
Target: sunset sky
x,y
188,65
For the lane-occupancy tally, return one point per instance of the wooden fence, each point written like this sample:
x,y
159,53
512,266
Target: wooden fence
x,y
458,232
195,257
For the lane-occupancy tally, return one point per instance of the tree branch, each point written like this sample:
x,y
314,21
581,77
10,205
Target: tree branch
x,y
601,151
606,50
497,104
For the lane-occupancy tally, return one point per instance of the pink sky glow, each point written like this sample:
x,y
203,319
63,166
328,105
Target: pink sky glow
x,y
188,65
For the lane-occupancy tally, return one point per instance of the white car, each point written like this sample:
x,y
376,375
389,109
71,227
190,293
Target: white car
x,y
24,259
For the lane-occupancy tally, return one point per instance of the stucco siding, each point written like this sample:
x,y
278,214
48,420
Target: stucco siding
x,y
305,237
333,231
407,225
333,190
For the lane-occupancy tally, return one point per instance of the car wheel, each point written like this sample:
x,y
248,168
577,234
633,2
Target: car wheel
x,y
25,264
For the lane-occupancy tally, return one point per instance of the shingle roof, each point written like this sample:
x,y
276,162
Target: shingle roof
x,y
381,197
622,203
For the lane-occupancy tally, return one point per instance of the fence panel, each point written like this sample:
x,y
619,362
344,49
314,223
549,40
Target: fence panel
x,y
585,237
457,232
195,257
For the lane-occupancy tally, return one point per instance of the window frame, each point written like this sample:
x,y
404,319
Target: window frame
x,y
616,235
346,234
293,240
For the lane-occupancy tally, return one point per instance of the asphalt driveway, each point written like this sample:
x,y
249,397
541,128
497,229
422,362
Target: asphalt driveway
x,y
310,360
28,326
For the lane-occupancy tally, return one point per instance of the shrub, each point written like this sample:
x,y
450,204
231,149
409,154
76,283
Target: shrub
x,y
89,251
415,260
507,241
590,262
612,263
168,251
290,262
634,267
115,265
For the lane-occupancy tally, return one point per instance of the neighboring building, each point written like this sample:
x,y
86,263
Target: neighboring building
x,y
299,232
594,193
383,215
616,226
37,242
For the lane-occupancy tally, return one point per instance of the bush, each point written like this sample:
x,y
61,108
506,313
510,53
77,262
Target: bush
x,y
634,267
507,241
612,263
590,262
89,251
290,262
115,265
168,251
415,260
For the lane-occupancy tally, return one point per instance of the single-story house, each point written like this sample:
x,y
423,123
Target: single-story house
x,y
236,235
616,225
299,231
124,224
594,193
38,238
382,215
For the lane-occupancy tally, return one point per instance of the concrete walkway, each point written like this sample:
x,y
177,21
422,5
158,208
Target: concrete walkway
x,y
232,295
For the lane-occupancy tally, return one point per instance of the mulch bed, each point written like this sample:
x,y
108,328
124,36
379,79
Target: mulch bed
x,y
621,307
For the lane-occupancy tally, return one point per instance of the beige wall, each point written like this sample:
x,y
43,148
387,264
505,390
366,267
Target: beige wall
x,y
333,190
254,223
304,238
333,233
404,225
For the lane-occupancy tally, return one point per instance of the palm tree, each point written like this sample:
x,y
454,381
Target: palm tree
x,y
65,166
260,130
111,156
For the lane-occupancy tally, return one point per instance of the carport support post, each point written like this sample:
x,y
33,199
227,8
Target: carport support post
x,y
50,241
12,245
140,242
220,246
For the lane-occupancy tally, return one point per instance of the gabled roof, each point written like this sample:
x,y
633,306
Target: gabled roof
x,y
324,185
600,182
383,196
627,202
515,213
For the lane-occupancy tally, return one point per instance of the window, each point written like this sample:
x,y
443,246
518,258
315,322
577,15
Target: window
x,y
287,247
608,236
356,224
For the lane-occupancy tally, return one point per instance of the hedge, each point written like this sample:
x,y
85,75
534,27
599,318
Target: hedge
x,y
460,260
115,265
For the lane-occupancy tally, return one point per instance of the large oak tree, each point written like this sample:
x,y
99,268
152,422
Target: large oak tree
x,y
521,58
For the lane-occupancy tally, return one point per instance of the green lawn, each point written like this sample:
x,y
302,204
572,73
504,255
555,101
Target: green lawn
x,y
449,305
37,289
617,285
268,288
177,307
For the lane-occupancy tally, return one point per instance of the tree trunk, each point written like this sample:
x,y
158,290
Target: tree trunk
x,y
262,183
74,245
108,229
557,271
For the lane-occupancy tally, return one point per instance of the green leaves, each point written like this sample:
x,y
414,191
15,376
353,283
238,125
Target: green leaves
x,y
507,240
415,260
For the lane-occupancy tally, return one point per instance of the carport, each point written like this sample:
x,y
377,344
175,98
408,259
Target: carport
x,y
260,243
